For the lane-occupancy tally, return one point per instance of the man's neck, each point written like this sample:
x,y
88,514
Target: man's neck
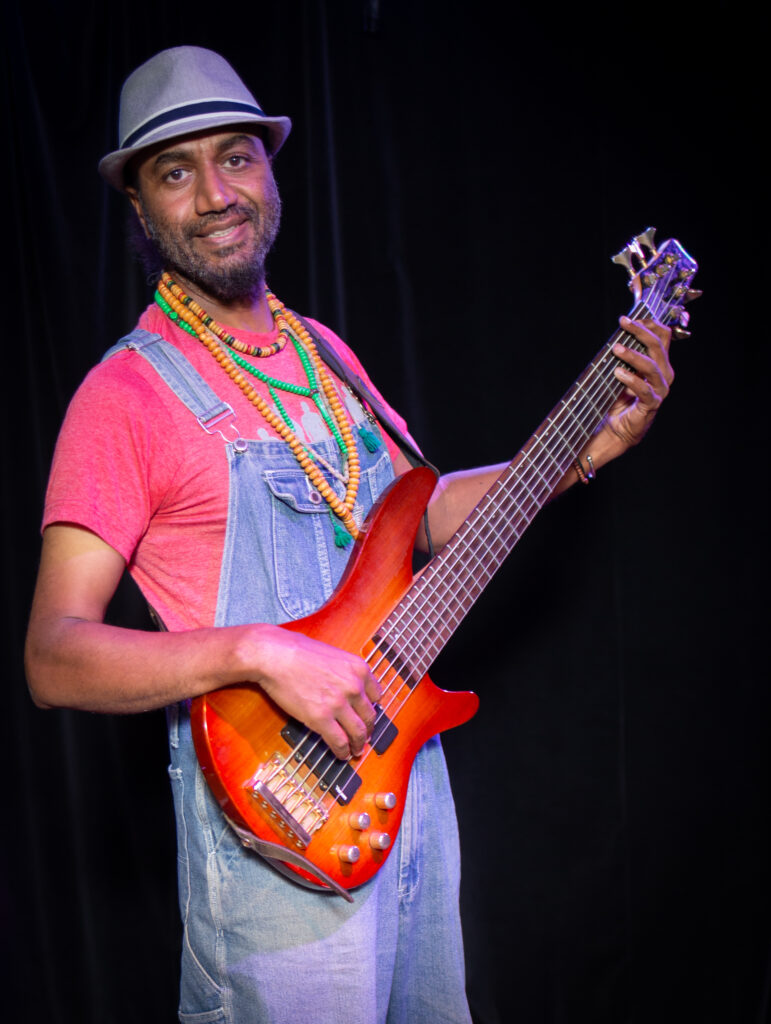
x,y
245,314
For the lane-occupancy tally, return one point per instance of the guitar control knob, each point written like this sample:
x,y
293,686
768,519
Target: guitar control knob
x,y
359,821
379,840
385,801
348,854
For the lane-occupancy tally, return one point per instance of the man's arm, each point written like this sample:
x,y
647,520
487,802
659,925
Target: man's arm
x,y
74,660
457,494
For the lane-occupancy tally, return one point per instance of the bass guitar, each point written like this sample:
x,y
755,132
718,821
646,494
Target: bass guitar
x,y
333,821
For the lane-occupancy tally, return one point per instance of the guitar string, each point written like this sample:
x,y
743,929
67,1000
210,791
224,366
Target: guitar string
x,y
576,414
597,370
533,479
533,469
574,418
581,429
596,367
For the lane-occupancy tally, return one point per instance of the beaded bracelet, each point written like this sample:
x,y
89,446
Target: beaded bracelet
x,y
582,474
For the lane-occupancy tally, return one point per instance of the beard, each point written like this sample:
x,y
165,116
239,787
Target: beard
x,y
234,273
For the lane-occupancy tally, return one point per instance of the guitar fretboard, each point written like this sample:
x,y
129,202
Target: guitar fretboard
x,y
432,609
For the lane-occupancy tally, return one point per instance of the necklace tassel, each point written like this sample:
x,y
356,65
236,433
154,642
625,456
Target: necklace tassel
x,y
369,439
342,536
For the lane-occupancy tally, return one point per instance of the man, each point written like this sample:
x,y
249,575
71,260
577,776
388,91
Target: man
x,y
229,473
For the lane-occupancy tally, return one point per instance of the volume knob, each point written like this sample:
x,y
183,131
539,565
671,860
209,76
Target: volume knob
x,y
379,840
359,820
385,801
348,854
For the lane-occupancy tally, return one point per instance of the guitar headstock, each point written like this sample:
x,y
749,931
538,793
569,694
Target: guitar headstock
x,y
660,279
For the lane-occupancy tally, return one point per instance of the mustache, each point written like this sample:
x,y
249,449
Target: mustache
x,y
212,220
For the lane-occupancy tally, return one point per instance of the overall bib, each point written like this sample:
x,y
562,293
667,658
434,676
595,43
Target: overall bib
x,y
259,948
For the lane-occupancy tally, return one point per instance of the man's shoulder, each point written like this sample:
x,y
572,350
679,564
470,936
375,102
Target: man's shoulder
x,y
123,388
124,369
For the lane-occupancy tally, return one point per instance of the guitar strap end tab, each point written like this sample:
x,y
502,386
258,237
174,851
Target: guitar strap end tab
x,y
276,855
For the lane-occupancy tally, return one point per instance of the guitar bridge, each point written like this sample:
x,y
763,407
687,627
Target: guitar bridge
x,y
289,807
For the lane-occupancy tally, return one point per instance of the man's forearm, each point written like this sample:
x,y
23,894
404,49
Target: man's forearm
x,y
91,666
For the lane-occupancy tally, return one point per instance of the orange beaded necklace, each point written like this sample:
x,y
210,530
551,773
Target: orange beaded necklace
x,y
208,332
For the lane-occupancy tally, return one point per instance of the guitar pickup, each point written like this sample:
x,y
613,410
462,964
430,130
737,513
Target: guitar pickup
x,y
383,733
335,776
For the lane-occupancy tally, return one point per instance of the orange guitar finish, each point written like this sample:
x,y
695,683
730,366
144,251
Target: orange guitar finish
x,y
238,728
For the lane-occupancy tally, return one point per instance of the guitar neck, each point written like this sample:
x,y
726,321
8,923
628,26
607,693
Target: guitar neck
x,y
432,609
429,613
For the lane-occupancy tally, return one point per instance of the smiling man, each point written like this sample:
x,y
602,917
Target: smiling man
x,y
231,472
221,252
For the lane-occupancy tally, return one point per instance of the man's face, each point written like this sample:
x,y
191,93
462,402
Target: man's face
x,y
209,203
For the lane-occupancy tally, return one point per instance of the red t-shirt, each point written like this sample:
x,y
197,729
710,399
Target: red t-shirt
x,y
133,465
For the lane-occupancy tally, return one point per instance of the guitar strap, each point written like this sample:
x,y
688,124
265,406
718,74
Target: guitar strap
x,y
364,393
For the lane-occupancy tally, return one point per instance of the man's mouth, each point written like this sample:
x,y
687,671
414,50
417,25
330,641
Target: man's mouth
x,y
220,229
222,226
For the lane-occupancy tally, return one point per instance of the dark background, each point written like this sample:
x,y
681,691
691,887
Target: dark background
x,y
457,178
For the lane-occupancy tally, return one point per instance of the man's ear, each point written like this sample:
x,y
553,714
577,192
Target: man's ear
x,y
136,202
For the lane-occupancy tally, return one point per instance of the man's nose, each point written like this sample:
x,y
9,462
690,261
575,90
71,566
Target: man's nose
x,y
213,194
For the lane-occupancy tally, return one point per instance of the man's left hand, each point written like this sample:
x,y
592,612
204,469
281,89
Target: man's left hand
x,y
632,414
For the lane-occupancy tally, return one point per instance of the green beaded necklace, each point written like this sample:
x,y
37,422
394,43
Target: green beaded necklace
x,y
311,390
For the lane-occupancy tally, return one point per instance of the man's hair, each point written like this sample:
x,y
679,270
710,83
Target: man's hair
x,y
143,248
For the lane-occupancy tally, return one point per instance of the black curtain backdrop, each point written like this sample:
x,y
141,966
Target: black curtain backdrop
x,y
455,183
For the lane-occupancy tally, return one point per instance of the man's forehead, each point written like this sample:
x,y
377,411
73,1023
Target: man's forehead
x,y
211,139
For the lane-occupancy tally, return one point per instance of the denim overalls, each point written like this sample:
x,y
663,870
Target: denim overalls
x,y
257,947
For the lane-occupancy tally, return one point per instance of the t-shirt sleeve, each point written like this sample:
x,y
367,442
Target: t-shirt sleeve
x,y
109,469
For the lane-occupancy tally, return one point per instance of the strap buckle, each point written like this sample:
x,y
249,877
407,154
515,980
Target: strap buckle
x,y
213,421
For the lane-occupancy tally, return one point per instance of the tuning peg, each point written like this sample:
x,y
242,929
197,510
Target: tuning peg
x,y
646,238
693,293
680,333
624,259
678,315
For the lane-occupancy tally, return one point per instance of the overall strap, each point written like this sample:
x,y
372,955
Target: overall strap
x,y
180,375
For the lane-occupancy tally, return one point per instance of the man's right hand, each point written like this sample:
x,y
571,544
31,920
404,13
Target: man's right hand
x,y
330,691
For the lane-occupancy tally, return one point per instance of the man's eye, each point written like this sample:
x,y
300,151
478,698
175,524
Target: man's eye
x,y
236,160
175,175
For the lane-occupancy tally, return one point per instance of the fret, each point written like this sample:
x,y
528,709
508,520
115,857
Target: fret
x,y
450,585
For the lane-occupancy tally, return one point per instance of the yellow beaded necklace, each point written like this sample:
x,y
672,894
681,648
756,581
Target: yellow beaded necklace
x,y
196,318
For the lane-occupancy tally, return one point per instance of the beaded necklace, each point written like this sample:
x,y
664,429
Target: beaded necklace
x,y
222,334
186,313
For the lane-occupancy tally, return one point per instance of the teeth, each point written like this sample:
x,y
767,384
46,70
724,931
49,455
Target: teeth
x,y
222,233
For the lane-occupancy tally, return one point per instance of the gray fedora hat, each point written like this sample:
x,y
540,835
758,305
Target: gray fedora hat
x,y
179,91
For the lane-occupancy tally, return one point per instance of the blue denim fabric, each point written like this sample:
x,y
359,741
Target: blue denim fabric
x,y
257,947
